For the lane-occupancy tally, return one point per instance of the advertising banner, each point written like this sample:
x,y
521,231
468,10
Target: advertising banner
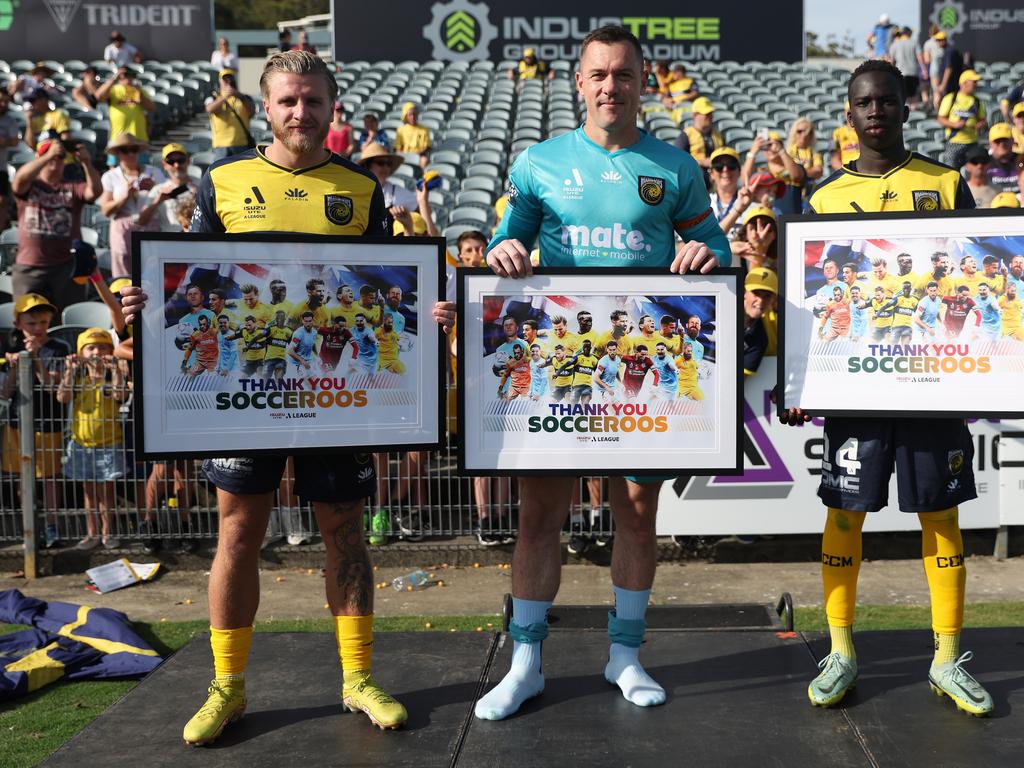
x,y
990,29
777,493
462,30
73,29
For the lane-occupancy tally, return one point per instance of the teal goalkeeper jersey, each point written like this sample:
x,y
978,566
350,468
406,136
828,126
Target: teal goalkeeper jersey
x,y
593,208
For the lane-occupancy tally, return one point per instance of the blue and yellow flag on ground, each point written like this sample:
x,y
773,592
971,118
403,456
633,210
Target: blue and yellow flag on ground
x,y
66,641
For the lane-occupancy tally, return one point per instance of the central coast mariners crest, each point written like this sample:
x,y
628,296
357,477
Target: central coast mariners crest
x,y
338,209
926,200
651,189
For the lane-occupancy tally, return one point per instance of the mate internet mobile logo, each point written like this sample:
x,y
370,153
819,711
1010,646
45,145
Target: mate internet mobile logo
x,y
459,30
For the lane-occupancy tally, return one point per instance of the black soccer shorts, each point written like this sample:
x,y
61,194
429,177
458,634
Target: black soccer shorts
x,y
331,476
933,459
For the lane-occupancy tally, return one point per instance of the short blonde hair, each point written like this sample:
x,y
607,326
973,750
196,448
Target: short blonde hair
x,y
297,63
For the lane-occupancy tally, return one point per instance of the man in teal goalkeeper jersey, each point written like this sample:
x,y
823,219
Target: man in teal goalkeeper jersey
x,y
607,194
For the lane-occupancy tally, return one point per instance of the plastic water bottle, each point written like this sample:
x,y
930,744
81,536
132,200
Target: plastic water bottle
x,y
411,581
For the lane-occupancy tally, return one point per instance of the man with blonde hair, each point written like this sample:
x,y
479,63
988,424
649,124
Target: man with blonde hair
x,y
241,194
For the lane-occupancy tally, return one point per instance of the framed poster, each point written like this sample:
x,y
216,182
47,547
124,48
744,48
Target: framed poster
x,y
599,371
286,343
904,314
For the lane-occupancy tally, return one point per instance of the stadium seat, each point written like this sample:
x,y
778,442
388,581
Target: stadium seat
x,y
90,236
7,315
88,313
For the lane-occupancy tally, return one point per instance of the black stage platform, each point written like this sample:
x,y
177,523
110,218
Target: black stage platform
x,y
735,698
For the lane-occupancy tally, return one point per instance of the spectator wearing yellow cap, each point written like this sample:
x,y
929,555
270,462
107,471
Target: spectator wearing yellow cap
x,y
758,244
1002,169
728,199
530,68
1017,129
166,199
128,102
49,216
845,144
962,115
33,316
760,325
411,136
701,138
230,111
95,384
1006,200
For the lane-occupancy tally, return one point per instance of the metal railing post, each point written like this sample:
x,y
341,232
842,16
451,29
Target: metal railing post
x,y
26,428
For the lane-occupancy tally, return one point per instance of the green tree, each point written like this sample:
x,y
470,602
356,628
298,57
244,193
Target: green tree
x,y
264,14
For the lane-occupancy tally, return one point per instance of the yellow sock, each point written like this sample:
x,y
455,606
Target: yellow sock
x,y
230,651
942,550
947,648
355,642
840,566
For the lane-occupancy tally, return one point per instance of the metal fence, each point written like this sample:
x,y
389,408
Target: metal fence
x,y
87,478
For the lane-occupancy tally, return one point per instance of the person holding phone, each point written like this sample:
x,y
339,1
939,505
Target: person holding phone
x,y
165,199
126,190
230,111
128,104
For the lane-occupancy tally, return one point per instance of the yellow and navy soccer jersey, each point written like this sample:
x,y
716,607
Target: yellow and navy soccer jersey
x,y
255,345
917,184
882,312
277,341
966,107
250,193
563,372
584,370
903,316
845,139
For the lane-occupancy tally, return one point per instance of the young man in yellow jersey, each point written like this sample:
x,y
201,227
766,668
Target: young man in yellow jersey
x,y
247,193
932,457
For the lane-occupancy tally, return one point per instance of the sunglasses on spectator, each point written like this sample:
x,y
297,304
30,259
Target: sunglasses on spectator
x,y
803,130
727,166
176,160
379,162
127,150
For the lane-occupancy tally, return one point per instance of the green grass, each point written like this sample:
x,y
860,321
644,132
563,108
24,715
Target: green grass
x,y
31,731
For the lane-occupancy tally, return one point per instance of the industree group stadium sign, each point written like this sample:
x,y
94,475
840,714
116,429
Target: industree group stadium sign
x,y
462,30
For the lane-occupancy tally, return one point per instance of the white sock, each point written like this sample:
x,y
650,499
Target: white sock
x,y
625,671
624,668
525,678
